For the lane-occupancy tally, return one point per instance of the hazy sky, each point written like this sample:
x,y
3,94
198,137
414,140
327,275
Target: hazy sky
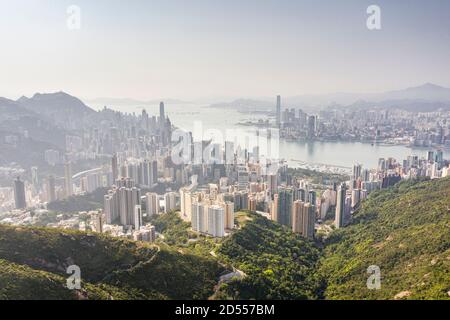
x,y
201,48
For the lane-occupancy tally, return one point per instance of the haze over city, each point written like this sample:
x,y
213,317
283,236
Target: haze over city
x,y
221,49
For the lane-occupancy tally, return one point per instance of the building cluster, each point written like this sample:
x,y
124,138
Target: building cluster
x,y
143,179
373,125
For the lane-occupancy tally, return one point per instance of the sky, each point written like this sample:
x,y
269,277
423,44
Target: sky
x,y
192,49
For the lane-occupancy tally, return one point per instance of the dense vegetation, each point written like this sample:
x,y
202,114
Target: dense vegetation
x,y
317,177
87,202
278,263
139,270
404,230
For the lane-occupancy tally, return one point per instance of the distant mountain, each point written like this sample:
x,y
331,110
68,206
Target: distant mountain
x,y
427,97
63,109
426,92
124,104
35,134
246,105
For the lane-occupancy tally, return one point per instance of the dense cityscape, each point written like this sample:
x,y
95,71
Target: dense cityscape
x,y
225,158
207,194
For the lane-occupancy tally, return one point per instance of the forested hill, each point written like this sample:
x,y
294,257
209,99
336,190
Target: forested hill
x,y
34,261
405,231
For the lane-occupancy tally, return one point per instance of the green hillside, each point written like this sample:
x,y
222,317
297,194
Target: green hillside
x,y
405,230
140,270
278,263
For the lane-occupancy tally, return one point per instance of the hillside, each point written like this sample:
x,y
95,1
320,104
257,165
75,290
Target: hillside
x,y
278,263
138,270
405,230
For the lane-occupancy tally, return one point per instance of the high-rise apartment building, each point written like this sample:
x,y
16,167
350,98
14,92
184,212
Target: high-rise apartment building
x,y
152,204
170,202
340,206
216,227
285,200
303,219
19,194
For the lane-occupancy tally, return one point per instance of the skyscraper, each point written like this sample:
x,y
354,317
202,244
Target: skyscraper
x,y
216,219
340,206
162,116
115,168
278,111
19,194
199,217
285,200
356,172
303,219
152,204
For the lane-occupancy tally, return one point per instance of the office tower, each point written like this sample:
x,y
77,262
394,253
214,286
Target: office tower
x,y
340,206
152,204
430,156
35,179
137,217
170,199
312,120
51,189
19,194
162,115
199,217
285,200
216,219
278,111
115,168
68,185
